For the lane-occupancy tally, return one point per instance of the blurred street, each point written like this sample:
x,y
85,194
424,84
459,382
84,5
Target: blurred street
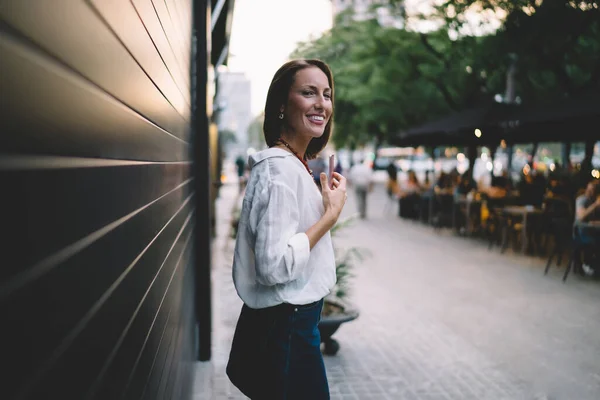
x,y
442,317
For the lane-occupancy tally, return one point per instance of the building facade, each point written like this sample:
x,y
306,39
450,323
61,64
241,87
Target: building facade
x,y
105,165
235,114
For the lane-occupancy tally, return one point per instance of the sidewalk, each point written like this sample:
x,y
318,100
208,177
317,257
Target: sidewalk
x,y
441,318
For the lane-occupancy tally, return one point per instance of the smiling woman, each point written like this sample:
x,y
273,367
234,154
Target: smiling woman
x,y
284,263
300,100
309,105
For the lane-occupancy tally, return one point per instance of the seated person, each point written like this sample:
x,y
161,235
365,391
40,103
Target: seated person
x,y
587,209
411,187
531,190
587,206
465,185
409,196
444,183
500,186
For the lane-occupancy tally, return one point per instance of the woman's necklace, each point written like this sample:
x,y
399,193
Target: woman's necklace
x,y
303,161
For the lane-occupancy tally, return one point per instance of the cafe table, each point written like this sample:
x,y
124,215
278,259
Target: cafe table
x,y
469,201
524,212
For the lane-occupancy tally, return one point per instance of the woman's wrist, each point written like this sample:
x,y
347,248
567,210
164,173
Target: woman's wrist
x,y
330,218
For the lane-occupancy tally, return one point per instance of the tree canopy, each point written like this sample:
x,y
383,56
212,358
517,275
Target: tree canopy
x,y
389,79
556,42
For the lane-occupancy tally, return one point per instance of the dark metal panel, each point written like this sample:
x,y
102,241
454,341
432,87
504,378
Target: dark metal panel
x,y
184,382
82,201
149,323
93,356
181,16
96,286
73,33
150,355
51,110
178,30
67,297
148,14
170,32
123,19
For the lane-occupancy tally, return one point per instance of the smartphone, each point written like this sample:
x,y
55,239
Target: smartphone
x,y
331,169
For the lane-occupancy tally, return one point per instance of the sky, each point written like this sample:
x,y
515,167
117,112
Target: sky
x,y
265,32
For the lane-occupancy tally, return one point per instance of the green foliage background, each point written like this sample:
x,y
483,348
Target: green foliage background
x,y
390,79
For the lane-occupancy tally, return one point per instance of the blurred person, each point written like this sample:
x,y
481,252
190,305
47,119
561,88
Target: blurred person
x,y
499,187
466,184
531,189
240,164
360,177
502,181
444,183
284,263
565,188
454,177
411,186
587,206
409,196
427,181
391,187
587,209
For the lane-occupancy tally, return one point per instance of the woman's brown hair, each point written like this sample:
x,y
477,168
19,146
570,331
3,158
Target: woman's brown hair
x,y
278,95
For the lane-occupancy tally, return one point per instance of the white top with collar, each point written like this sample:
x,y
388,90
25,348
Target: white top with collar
x,y
273,263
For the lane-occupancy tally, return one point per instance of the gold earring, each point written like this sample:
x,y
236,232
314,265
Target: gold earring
x,y
280,115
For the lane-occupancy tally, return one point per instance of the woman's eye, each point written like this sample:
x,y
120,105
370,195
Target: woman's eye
x,y
308,93
327,95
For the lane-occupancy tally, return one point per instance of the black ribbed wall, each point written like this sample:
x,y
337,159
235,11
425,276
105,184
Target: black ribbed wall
x,y
96,283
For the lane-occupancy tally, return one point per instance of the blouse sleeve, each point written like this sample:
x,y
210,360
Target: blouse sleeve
x,y
280,251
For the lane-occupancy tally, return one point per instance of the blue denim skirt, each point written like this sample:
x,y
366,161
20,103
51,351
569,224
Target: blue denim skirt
x,y
276,354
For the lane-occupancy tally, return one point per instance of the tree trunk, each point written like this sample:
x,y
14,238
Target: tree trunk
x,y
472,154
566,155
533,152
492,158
509,150
586,164
378,141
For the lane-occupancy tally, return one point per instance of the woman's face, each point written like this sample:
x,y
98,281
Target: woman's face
x,y
309,106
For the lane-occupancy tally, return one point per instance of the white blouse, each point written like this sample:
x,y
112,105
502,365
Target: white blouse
x,y
273,263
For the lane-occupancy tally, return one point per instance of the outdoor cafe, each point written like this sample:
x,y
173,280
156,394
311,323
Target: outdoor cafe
x,y
523,169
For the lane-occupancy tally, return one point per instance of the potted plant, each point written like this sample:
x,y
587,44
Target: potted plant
x,y
336,309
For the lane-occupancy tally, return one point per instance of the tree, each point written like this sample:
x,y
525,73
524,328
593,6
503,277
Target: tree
x,y
556,42
255,132
227,136
390,79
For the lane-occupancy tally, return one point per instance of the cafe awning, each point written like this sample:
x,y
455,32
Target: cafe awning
x,y
567,120
481,125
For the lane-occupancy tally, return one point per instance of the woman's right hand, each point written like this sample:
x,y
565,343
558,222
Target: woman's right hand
x,y
334,198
